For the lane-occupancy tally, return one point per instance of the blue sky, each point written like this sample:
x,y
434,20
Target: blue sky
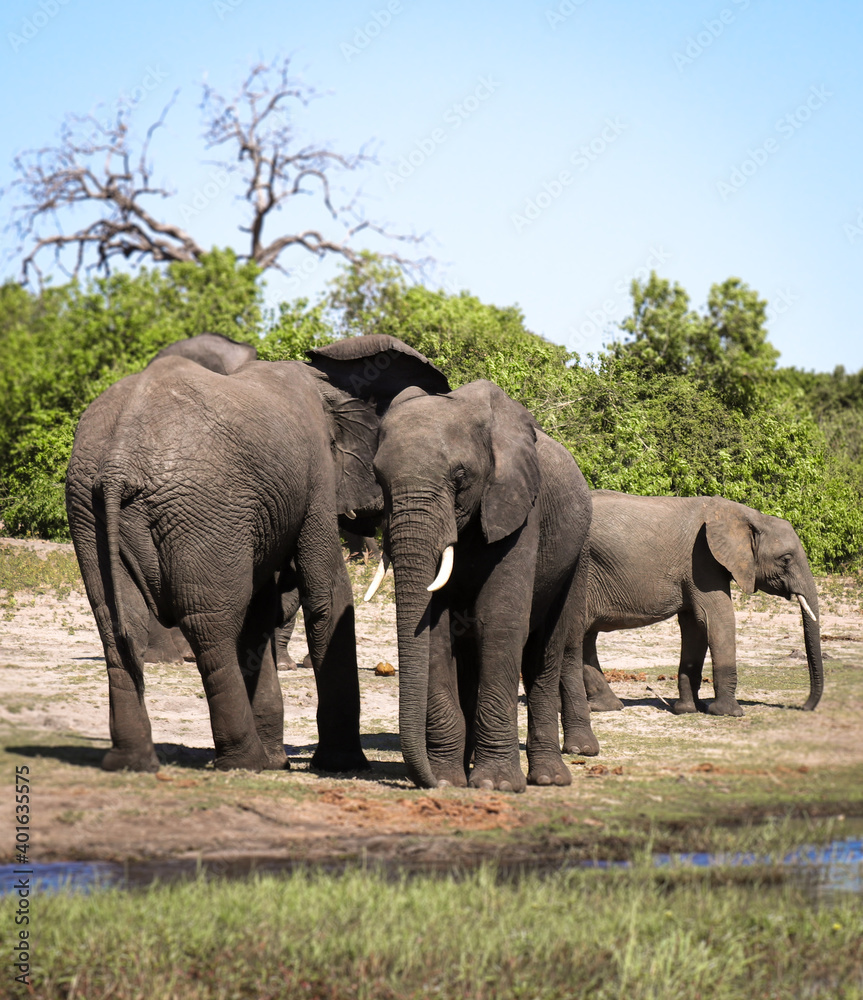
x,y
551,150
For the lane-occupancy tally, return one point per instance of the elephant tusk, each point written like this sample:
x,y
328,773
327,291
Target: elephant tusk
x,y
380,573
351,515
446,561
805,605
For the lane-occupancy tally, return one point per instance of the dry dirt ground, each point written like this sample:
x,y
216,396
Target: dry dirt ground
x,y
54,720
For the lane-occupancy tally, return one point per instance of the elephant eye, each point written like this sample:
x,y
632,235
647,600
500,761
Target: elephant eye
x,y
458,477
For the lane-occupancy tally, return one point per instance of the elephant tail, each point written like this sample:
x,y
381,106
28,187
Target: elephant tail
x,y
112,491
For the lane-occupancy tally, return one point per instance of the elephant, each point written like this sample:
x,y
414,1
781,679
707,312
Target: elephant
x,y
188,491
471,483
654,557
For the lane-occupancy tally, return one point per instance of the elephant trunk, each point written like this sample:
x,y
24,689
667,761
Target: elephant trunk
x,y
417,536
812,639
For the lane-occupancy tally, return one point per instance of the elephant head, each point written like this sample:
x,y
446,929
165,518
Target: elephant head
x,y
457,466
764,553
357,378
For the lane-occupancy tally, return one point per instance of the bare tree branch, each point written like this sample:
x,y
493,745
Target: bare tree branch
x,y
91,171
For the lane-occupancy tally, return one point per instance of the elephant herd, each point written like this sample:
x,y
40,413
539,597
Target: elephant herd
x,y
204,495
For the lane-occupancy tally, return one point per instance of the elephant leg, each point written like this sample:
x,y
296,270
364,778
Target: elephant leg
x,y
445,723
161,647
578,736
541,673
721,640
261,679
214,636
131,736
290,606
600,697
693,649
502,620
329,617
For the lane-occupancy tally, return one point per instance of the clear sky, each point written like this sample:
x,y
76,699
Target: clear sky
x,y
551,150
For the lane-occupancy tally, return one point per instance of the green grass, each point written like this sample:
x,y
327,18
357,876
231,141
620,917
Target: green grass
x,y
23,569
601,934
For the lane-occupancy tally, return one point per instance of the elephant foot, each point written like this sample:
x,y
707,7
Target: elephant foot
x,y
131,760
600,697
307,661
549,771
581,742
725,706
277,759
250,755
605,702
681,707
504,776
286,663
339,759
448,774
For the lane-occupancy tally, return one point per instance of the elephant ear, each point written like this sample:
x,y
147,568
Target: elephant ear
x,y
376,367
732,538
511,491
355,441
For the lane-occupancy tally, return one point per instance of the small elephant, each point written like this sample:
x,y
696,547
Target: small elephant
x,y
471,483
654,557
187,492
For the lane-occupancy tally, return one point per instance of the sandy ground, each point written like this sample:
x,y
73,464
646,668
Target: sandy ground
x,y
54,718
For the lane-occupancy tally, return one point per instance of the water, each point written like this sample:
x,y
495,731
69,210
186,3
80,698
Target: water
x,y
828,871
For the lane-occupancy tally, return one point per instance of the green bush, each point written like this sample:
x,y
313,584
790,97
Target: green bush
x,y
687,403
60,349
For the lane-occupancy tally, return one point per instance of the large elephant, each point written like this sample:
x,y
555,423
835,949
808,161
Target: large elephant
x,y
654,557
188,491
471,483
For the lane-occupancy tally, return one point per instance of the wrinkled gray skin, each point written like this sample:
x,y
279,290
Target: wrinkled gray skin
x,y
654,557
472,468
188,491
224,356
211,350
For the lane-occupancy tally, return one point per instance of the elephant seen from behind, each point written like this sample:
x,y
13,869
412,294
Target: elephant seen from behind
x,y
654,557
194,496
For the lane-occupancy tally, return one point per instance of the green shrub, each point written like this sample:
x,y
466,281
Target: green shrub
x,y
688,403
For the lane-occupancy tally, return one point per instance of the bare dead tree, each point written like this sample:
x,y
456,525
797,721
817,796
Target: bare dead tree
x,y
95,170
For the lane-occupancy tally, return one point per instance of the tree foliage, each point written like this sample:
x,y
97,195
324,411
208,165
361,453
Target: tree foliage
x,y
688,403
61,348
